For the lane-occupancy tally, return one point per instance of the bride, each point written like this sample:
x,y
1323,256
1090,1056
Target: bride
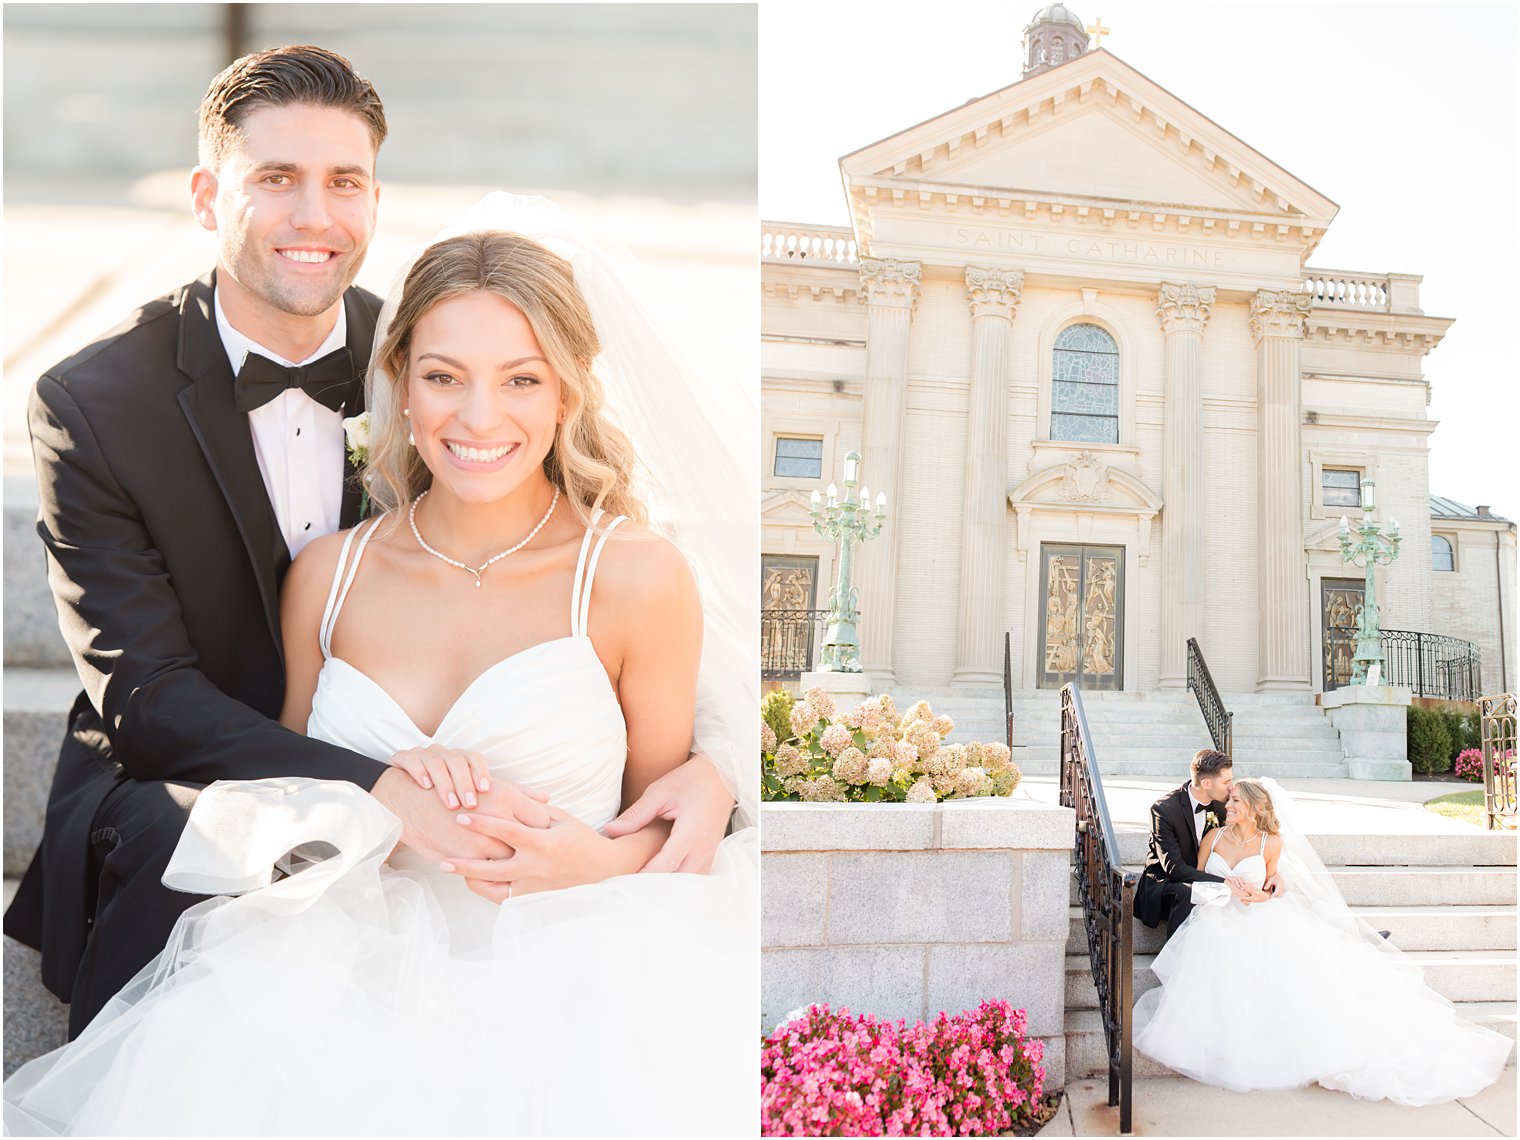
x,y
515,616
1313,995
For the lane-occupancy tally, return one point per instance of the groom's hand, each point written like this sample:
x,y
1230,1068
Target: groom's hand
x,y
426,825
698,805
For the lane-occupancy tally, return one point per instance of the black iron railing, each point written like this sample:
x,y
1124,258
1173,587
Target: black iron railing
x,y
1220,720
789,642
1497,715
1430,664
1008,686
1107,894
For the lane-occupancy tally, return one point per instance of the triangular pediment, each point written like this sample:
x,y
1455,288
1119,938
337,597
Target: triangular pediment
x,y
794,507
1092,130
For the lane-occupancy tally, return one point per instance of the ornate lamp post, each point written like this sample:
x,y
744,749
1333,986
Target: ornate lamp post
x,y
846,522
1374,549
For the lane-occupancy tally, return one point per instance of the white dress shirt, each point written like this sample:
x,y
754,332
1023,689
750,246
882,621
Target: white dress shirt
x,y
1198,820
299,443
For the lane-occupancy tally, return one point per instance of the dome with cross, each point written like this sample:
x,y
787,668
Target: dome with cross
x,y
1055,35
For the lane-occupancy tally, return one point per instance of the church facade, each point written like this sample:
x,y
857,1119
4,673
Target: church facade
x,y
1076,334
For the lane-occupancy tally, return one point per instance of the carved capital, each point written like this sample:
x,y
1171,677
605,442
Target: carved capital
x,y
890,283
993,292
1184,308
1279,314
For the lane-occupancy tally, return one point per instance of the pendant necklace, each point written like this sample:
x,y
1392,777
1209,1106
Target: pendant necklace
x,y
411,517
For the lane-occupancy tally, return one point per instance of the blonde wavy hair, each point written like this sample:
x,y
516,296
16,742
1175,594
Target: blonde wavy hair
x,y
1255,794
591,460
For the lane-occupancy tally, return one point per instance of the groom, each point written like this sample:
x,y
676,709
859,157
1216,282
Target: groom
x,y
1179,822
184,459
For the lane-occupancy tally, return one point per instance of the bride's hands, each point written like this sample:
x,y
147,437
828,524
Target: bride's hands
x,y
456,776
567,853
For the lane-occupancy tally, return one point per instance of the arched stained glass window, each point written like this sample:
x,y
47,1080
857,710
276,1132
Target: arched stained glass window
x,y
1440,553
1084,397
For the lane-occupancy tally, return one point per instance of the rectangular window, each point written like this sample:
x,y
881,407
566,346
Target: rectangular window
x,y
1341,487
799,458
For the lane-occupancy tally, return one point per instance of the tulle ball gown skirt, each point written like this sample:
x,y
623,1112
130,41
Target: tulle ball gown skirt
x,y
1271,996
354,998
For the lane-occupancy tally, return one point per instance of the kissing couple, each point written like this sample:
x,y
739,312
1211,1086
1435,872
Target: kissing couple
x,y
346,831
1268,979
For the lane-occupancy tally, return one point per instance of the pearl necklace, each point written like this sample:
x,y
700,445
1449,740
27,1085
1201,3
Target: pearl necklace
x,y
411,517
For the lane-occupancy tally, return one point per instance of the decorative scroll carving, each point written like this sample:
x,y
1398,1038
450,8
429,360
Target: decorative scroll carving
x,y
993,292
1086,480
1184,308
1279,314
890,283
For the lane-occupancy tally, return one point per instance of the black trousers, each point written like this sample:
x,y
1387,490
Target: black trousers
x,y
136,829
1180,895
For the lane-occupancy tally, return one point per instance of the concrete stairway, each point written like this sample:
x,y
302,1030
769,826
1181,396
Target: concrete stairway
x,y
39,686
1151,733
1448,901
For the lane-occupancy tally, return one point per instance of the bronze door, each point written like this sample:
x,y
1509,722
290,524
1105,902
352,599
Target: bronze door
x,y
1339,599
791,624
1082,616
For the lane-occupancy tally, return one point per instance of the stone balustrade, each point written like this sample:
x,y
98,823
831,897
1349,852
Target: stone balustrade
x,y
907,910
823,245
1367,292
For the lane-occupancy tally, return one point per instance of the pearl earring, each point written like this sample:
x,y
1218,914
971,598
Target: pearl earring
x,y
410,438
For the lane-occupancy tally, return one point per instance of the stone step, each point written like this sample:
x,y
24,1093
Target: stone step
x,y
1339,850
1410,928
31,620
1172,762
1086,1054
36,703
1184,744
1417,886
1457,975
35,1021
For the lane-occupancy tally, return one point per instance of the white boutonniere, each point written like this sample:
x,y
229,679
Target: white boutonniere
x,y
356,432
1210,820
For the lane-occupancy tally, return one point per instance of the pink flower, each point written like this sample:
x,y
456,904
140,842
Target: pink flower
x,y
835,739
804,717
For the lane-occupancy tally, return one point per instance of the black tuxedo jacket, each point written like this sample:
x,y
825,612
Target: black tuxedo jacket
x,y
1173,855
165,559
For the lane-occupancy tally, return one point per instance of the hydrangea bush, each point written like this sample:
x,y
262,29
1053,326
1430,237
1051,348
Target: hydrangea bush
x,y
873,754
832,1074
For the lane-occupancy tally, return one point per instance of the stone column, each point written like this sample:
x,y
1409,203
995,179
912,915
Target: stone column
x,y
890,289
994,296
1277,324
1184,311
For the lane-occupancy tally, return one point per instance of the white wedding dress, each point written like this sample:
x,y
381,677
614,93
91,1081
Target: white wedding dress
x,y
355,998
1275,996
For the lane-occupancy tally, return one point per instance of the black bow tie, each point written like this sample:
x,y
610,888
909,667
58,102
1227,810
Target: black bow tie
x,y
1200,807
328,381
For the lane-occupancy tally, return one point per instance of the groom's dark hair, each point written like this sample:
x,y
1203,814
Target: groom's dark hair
x,y
302,75
1207,763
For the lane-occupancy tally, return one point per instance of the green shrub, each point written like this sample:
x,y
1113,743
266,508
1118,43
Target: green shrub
x,y
1429,741
776,711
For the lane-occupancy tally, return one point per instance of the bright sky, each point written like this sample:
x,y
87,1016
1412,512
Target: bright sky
x,y
1404,114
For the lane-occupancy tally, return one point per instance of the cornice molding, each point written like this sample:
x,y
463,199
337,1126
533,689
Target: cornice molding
x,y
1097,79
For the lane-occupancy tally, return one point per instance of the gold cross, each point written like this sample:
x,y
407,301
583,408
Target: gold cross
x,y
1097,31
